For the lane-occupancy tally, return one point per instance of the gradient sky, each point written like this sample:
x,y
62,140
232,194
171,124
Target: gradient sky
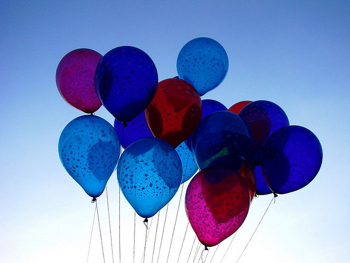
x,y
293,53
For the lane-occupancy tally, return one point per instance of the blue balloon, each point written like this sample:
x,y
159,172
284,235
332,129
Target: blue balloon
x,y
202,62
149,175
189,166
208,107
221,139
292,157
262,188
89,150
263,118
135,130
126,80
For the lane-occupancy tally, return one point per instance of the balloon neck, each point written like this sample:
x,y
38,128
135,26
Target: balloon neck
x,y
145,222
274,197
206,248
94,199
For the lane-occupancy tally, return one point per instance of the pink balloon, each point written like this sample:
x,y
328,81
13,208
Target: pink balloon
x,y
75,79
217,203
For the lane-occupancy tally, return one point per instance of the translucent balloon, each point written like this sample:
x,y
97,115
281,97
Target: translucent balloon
x,y
203,63
221,140
189,166
75,79
262,118
174,112
89,150
262,188
292,157
149,175
208,107
135,130
248,174
126,81
236,108
217,203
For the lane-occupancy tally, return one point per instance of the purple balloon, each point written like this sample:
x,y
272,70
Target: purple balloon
x,y
291,159
262,118
75,79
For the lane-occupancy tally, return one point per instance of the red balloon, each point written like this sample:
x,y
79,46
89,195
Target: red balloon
x,y
75,79
217,203
236,108
248,174
174,112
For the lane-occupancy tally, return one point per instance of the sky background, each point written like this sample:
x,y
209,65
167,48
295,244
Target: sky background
x,y
293,53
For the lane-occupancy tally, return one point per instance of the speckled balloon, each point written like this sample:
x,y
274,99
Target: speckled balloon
x,y
89,150
133,131
292,157
189,166
217,203
149,175
126,81
203,62
221,140
75,79
174,112
262,118
237,107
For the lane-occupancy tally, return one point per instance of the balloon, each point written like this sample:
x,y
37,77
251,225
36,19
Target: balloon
x,y
292,157
174,112
149,175
135,130
89,150
189,166
236,108
75,79
263,118
208,107
221,140
262,188
203,63
248,174
217,203
126,81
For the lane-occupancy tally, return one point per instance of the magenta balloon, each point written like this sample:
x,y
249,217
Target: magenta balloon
x,y
217,203
75,79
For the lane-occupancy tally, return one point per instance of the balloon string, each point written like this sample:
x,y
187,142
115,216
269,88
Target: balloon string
x,y
120,246
155,237
197,249
99,226
134,237
214,253
161,240
201,257
228,247
273,198
183,240
191,249
92,228
205,260
110,227
144,248
177,213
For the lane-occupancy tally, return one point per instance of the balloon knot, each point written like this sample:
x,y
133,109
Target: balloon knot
x,y
145,222
94,199
206,248
274,197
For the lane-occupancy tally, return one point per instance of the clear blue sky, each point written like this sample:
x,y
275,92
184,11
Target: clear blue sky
x,y
293,53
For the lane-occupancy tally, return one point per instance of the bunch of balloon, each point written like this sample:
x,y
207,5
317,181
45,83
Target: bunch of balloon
x,y
88,147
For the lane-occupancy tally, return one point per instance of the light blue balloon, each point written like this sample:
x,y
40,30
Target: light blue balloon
x,y
89,150
189,166
202,62
149,175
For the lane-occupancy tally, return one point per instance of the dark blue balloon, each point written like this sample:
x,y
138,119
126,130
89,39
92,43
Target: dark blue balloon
x,y
291,159
208,107
202,62
135,130
149,175
221,139
189,166
126,80
89,150
262,188
262,118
